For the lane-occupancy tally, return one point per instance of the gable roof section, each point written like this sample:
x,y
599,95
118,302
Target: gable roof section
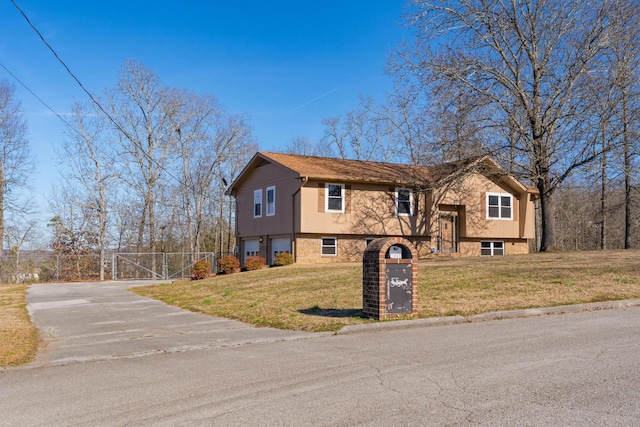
x,y
332,169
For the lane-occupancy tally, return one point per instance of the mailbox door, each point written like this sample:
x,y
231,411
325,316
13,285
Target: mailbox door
x,y
399,288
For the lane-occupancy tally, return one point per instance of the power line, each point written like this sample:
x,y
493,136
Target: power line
x,y
36,96
96,103
111,119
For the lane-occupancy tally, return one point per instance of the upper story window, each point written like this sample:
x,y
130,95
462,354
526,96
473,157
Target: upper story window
x,y
404,202
271,201
257,203
334,198
499,206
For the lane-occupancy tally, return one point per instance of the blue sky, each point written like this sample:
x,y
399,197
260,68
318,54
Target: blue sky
x,y
285,64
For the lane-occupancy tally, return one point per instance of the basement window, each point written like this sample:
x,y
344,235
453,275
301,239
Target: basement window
x,y
491,248
329,246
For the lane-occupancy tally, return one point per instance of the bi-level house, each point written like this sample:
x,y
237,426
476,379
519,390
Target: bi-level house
x,y
324,209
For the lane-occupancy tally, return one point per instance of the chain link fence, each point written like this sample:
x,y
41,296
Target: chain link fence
x,y
159,265
42,267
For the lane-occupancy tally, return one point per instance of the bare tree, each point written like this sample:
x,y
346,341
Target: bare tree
x,y
172,146
527,63
74,235
359,135
20,230
208,137
429,128
15,160
623,61
91,162
404,115
306,146
144,114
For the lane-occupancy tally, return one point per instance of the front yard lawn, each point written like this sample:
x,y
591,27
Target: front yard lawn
x,y
328,297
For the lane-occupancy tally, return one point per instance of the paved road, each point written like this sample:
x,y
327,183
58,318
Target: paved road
x,y
562,370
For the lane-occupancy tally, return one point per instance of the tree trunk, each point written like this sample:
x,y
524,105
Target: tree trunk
x,y
2,190
547,209
152,233
627,176
141,227
603,197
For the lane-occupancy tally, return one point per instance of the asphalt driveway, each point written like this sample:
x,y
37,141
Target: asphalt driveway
x,y
101,321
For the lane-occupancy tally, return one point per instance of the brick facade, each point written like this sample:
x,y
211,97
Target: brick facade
x,y
511,247
349,248
374,280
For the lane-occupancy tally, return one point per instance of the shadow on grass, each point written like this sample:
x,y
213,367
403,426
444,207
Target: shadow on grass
x,y
333,312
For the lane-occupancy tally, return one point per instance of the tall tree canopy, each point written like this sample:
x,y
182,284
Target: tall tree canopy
x,y
533,69
149,163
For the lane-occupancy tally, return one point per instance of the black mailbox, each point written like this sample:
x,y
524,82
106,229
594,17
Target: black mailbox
x,y
389,278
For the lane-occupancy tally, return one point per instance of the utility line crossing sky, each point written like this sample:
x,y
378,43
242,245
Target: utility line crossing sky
x,y
285,64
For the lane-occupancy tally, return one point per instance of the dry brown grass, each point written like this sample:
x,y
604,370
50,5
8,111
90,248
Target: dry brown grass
x,y
479,285
325,298
18,336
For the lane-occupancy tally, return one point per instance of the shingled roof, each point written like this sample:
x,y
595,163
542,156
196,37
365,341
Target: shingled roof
x,y
363,171
331,169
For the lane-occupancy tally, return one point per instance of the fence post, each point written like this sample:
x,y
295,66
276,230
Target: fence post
x,y
165,267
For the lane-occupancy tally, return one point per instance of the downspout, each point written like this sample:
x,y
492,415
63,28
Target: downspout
x,y
236,250
294,242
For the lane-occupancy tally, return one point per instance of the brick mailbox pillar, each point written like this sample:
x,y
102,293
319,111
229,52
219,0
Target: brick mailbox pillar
x,y
390,278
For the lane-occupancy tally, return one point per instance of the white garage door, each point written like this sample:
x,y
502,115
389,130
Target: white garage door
x,y
279,245
251,248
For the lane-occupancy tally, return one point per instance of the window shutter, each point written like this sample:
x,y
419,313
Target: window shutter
x,y
414,208
347,198
321,196
392,200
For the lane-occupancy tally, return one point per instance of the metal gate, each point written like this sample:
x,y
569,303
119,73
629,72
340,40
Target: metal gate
x,y
158,265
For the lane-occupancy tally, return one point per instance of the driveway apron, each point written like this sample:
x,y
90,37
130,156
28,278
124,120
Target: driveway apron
x,y
99,321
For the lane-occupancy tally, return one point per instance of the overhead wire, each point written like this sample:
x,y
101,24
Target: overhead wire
x,y
35,95
95,101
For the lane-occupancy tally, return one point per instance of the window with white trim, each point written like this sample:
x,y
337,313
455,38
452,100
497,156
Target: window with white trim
x,y
404,202
271,201
491,248
334,198
257,203
329,246
499,206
